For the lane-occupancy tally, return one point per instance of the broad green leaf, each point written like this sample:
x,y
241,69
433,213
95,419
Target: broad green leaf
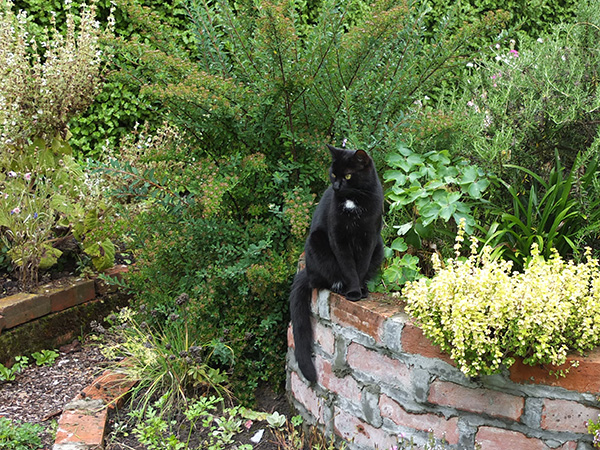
x,y
399,245
49,256
395,175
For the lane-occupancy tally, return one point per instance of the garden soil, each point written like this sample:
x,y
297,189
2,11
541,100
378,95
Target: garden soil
x,y
39,394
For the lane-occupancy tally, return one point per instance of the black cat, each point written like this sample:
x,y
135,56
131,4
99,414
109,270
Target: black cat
x,y
344,248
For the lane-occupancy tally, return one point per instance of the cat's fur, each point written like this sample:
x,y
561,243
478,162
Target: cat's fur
x,y
344,248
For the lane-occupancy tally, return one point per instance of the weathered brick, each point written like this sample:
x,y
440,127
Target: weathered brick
x,y
442,428
565,415
582,378
290,336
357,316
354,430
414,341
75,293
86,428
110,387
324,337
307,397
21,308
478,400
346,387
492,438
378,366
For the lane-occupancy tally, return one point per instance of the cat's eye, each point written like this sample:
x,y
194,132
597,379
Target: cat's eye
x,y
348,176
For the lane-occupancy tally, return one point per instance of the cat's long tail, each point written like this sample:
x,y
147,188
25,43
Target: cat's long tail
x,y
302,327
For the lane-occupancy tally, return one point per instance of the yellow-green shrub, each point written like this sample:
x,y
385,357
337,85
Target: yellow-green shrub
x,y
483,314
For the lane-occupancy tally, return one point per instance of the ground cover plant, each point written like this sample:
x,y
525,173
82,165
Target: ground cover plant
x,y
19,436
484,314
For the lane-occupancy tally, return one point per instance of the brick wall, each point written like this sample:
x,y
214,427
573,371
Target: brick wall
x,y
381,381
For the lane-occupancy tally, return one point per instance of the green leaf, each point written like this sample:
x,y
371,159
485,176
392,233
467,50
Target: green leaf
x,y
49,256
476,189
395,175
102,253
399,245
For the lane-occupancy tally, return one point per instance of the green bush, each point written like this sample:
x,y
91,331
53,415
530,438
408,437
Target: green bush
x,y
532,19
528,115
523,102
220,208
483,314
46,195
118,105
558,214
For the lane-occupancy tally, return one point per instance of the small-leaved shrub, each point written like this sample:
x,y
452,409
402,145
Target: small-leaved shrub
x,y
483,314
222,214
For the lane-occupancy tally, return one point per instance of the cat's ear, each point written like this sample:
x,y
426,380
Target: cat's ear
x,y
361,157
335,152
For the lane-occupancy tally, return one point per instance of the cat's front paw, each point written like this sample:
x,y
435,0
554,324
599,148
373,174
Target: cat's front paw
x,y
353,296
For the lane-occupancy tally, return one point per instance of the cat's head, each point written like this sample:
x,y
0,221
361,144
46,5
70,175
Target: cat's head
x,y
350,169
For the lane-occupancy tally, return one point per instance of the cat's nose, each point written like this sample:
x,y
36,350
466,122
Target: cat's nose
x,y
336,185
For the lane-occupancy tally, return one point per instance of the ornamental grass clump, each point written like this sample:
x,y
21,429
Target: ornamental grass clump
x,y
484,314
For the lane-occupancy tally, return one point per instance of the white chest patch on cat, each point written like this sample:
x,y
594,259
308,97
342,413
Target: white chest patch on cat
x,y
349,205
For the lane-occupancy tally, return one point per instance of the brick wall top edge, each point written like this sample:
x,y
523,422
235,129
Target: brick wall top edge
x,y
369,314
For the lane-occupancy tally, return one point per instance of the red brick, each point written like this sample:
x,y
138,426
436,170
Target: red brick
x,y
442,428
306,396
377,365
75,293
414,341
324,337
82,427
583,378
21,308
484,401
491,438
111,387
366,316
347,387
565,415
290,336
354,430
313,300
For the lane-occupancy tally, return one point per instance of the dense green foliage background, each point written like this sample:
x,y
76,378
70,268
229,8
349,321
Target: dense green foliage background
x,y
214,193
